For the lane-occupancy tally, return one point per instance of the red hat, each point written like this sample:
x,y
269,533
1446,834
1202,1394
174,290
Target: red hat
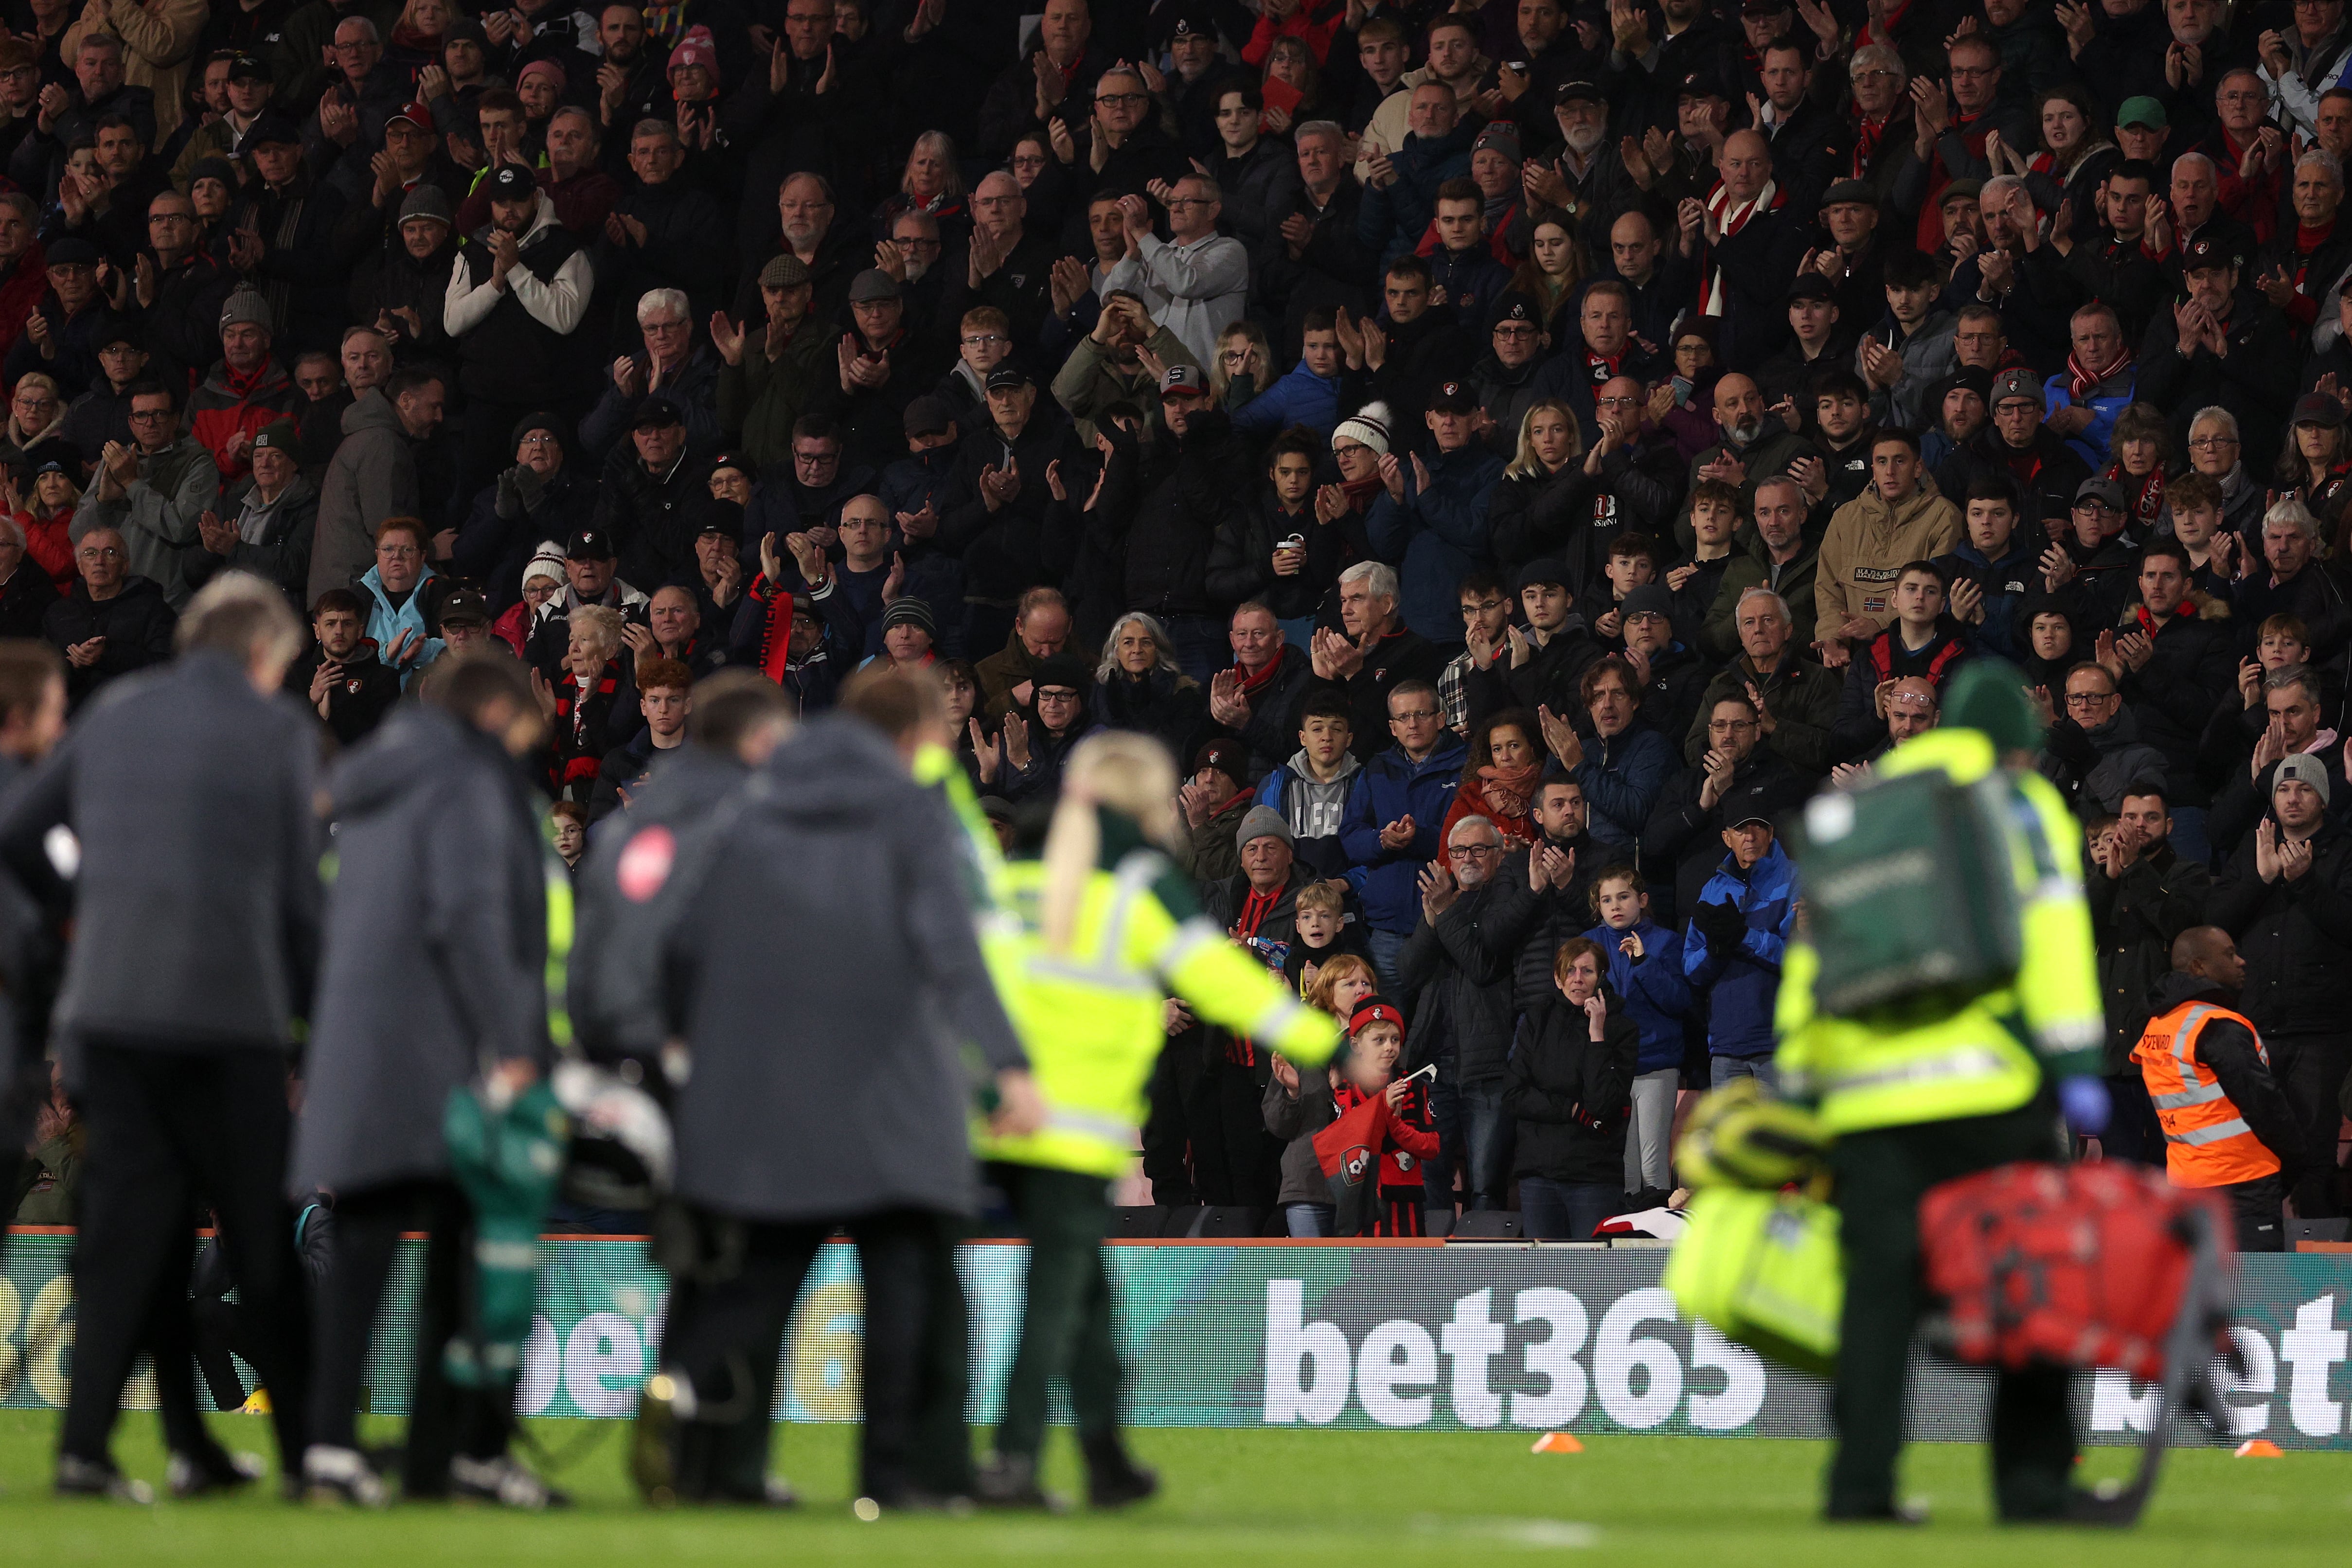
x,y
695,47
417,114
1373,1010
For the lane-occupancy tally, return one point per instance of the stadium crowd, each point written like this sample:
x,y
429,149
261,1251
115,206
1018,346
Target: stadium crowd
x,y
1511,452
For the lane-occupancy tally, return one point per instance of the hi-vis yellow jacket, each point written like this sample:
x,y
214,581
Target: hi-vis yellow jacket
x,y
1933,1063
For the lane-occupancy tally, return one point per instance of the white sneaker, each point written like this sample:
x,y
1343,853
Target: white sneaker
x,y
504,1481
333,1475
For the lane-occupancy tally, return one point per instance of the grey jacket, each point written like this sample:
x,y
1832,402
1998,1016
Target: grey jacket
x,y
196,905
157,516
615,1015
436,953
372,477
825,975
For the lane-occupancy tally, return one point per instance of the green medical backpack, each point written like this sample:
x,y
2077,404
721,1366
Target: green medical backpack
x,y
1764,1268
1909,892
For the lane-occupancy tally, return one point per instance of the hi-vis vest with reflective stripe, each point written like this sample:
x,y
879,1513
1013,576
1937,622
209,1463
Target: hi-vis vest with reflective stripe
x,y
1909,1065
1091,1021
2206,1143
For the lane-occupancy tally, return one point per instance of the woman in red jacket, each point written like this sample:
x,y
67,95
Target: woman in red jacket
x,y
1499,781
46,520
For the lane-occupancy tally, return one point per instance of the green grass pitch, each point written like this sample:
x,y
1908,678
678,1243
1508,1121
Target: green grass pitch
x,y
1232,1498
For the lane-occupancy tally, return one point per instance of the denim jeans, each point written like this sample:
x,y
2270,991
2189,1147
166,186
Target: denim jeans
x,y
1566,1211
1721,1070
1487,1139
1309,1220
1386,947
1202,648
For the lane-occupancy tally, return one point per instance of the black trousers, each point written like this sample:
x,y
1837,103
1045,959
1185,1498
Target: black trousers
x,y
726,1335
2255,1208
1880,1175
1066,1332
165,1125
2310,1069
2132,1132
444,1418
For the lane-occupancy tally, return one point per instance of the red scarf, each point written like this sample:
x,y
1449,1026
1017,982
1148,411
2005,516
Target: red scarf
x,y
1866,137
2147,623
1240,1050
1602,367
2082,379
1507,789
775,632
2147,499
1360,492
1251,685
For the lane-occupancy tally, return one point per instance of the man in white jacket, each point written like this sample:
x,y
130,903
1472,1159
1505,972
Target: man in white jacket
x,y
1195,282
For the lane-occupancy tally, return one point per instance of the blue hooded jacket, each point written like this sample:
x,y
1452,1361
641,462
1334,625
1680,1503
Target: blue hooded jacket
x,y
1741,985
1436,536
385,624
1657,995
1387,881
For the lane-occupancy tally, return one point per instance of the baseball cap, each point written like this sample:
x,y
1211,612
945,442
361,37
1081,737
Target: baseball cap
x,y
589,544
2142,111
270,129
465,607
1578,92
871,285
1184,378
1007,377
1649,599
655,412
2319,408
928,416
1763,8
1843,191
511,183
1702,84
1453,398
2016,382
1960,191
1229,757
1811,285
783,272
415,114
2106,492
250,67
2203,253
1757,817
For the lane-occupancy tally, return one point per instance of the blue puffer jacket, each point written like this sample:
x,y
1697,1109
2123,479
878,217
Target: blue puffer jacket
x,y
2092,442
1436,537
1387,881
1741,985
385,624
1622,776
1301,398
1657,996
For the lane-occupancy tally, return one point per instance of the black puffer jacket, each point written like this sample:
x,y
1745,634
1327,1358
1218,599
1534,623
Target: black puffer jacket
x,y
2296,936
1462,967
1533,518
1169,518
1551,917
1571,1095
1164,703
2133,919
2174,692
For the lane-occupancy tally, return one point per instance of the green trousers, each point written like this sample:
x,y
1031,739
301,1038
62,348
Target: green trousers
x,y
1065,1325
1881,1176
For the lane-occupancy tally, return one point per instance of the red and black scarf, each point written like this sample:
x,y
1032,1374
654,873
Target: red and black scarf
x,y
1239,1049
575,762
2147,498
2081,382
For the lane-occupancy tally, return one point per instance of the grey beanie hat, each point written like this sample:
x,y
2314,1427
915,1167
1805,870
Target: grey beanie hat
x,y
1262,822
2305,767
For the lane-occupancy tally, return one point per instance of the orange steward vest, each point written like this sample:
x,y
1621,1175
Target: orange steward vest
x,y
2206,1143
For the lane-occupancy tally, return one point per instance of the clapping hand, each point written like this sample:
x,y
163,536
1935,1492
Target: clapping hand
x,y
1398,835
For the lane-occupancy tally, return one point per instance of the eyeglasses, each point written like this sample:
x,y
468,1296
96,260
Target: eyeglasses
x,y
2089,699
1875,74
1122,97
1173,203
815,459
1515,330
1471,851
984,340
150,416
2207,443
1728,726
1971,73
1616,403
100,552
1413,715
915,242
397,551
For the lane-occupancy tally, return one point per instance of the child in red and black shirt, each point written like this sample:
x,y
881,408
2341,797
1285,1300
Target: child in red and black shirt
x,y
1375,1041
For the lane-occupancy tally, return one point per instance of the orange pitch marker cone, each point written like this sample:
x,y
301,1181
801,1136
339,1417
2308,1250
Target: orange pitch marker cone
x,y
2259,1448
1557,1443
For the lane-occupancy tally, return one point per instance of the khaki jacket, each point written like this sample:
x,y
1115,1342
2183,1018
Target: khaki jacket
x,y
1868,545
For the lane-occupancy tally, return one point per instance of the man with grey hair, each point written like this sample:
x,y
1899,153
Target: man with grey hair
x,y
180,1080
1780,554
1003,264
1796,700
1375,652
1196,280
677,361
664,231
1309,257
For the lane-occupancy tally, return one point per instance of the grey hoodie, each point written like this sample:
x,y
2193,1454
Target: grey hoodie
x,y
436,963
157,516
372,477
1313,809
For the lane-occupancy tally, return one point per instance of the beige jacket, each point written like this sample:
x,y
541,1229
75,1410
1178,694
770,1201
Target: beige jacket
x,y
1393,119
158,36
1868,545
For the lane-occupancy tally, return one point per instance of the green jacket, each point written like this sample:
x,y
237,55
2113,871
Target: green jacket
x,y
1090,380
761,399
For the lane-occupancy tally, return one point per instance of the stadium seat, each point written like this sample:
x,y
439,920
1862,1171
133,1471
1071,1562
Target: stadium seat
x,y
2318,1230
1227,1220
1139,1220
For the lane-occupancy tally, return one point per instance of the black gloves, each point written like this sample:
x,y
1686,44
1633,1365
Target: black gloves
x,y
1722,924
